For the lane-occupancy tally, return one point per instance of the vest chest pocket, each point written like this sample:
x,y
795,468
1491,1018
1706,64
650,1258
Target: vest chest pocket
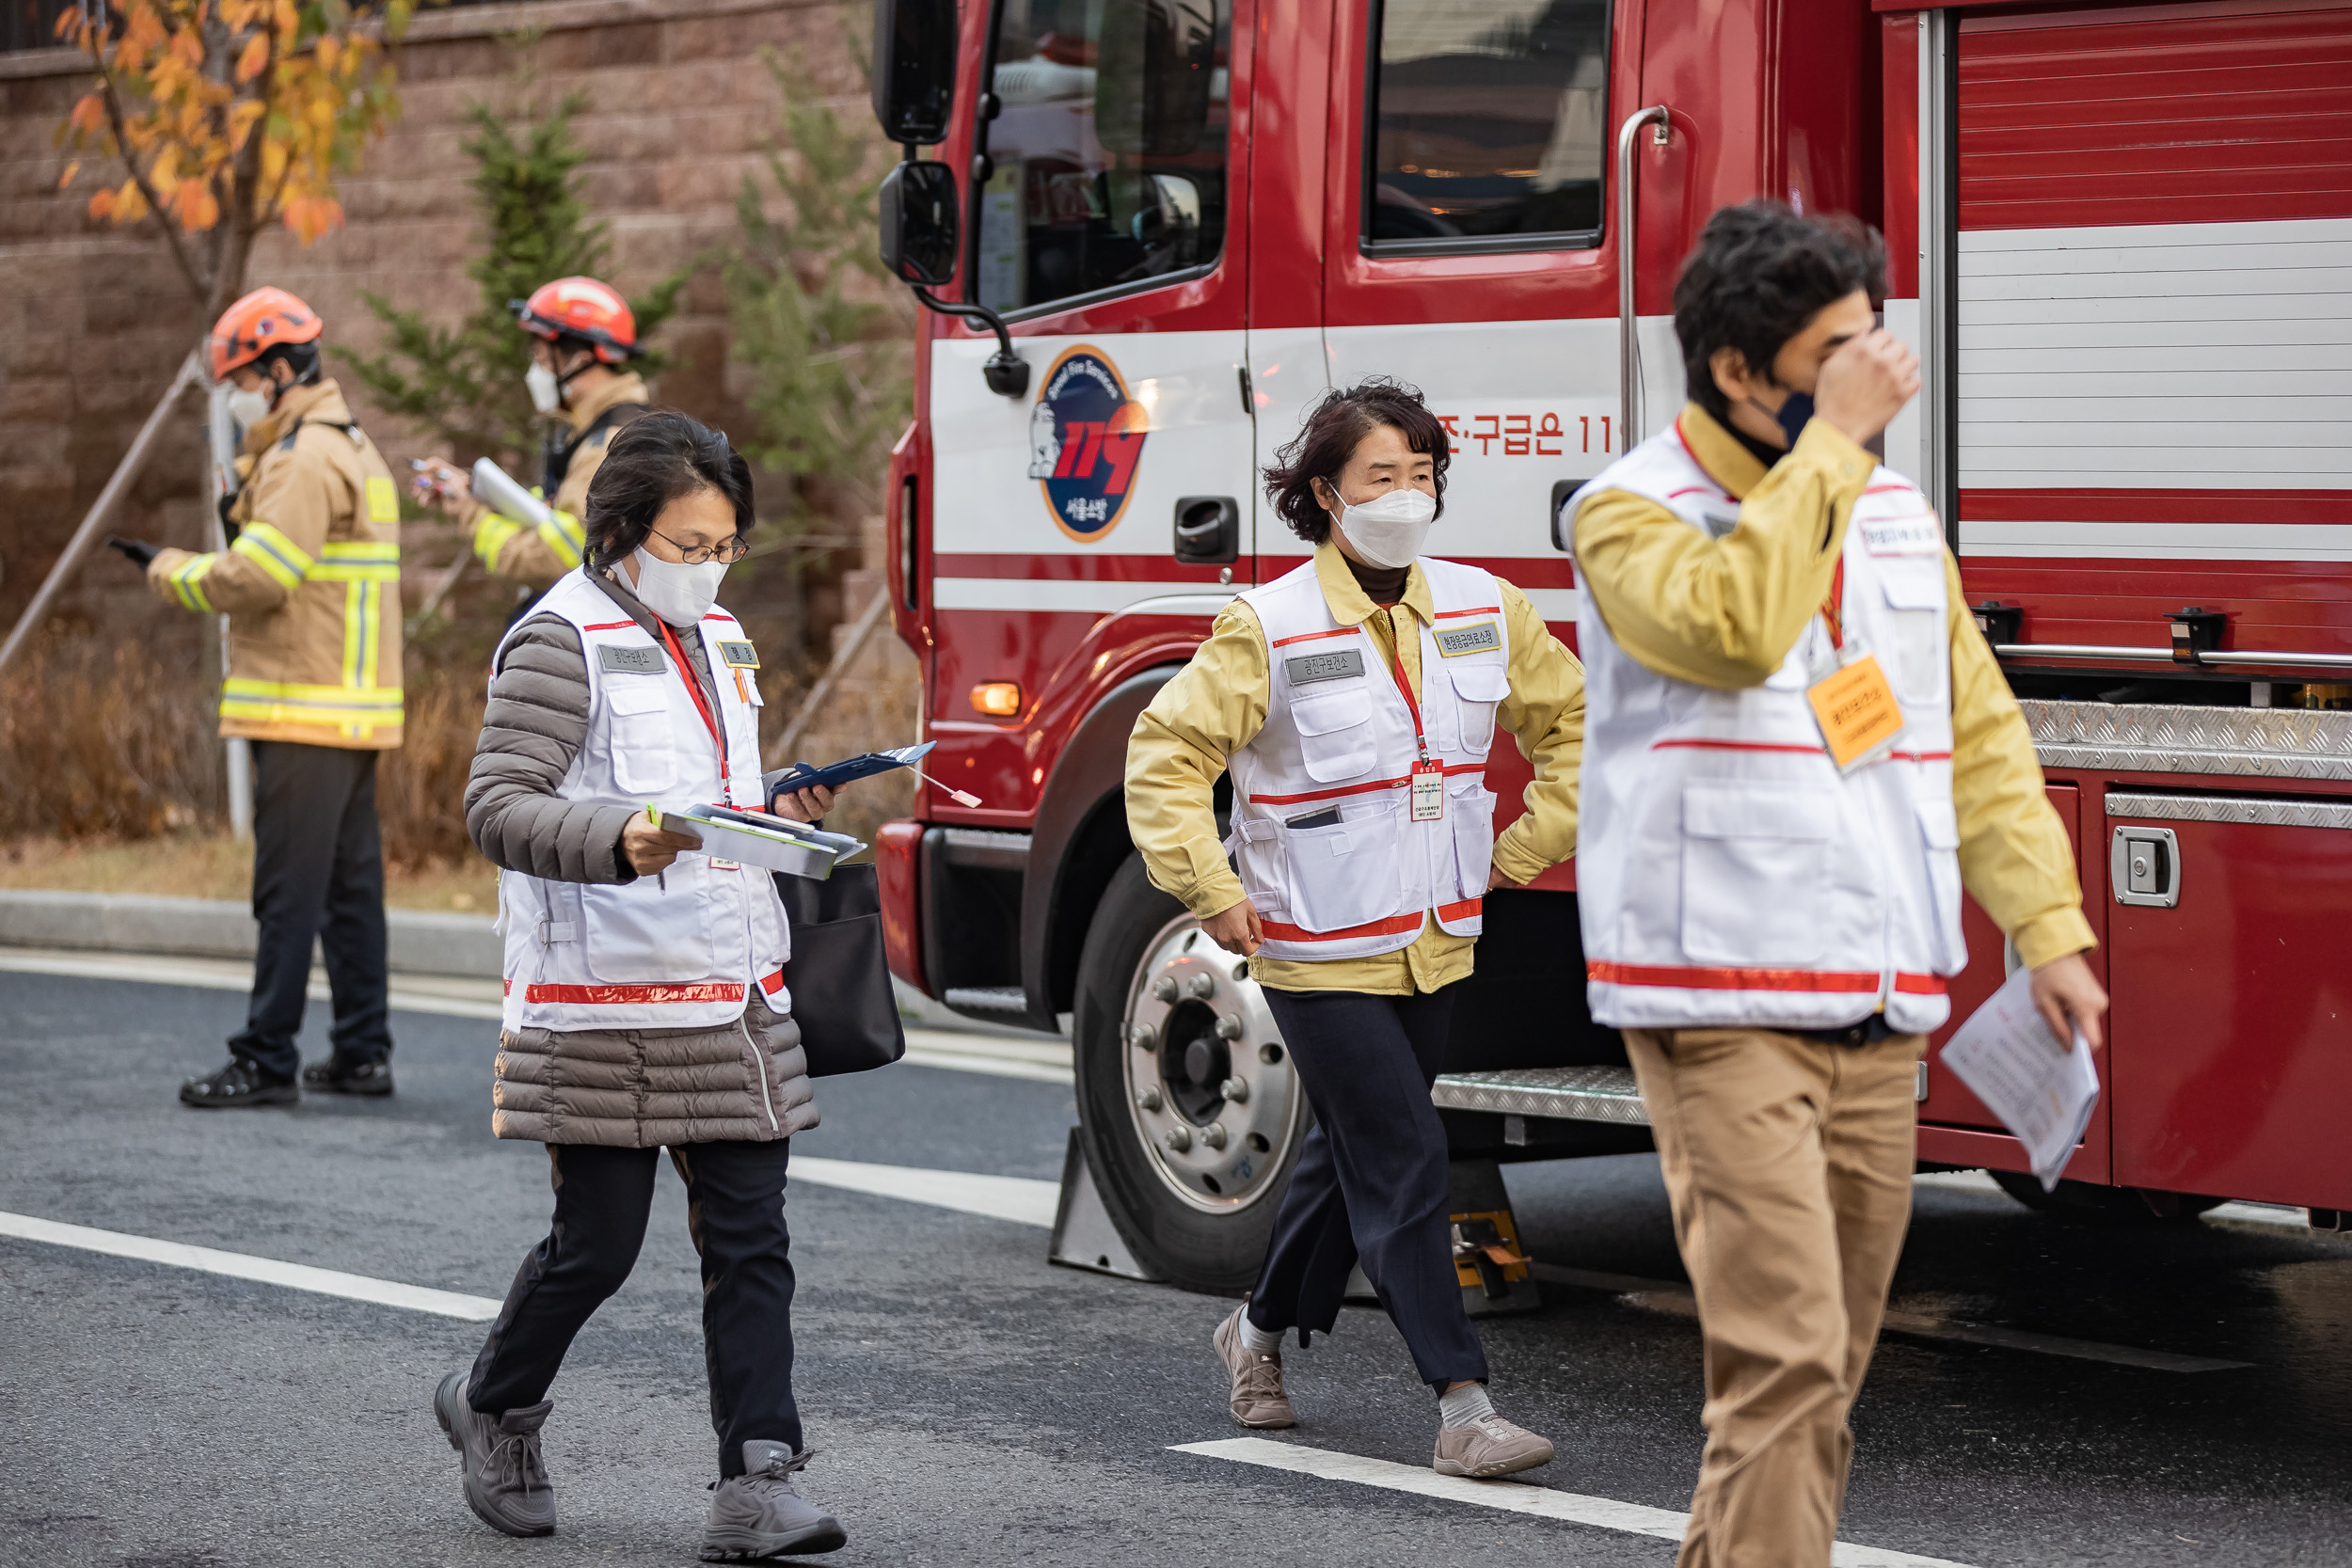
x,y
645,753
1477,688
1914,611
1753,861
1335,738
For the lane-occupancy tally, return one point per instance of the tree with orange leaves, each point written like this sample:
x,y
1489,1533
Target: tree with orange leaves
x,y
228,116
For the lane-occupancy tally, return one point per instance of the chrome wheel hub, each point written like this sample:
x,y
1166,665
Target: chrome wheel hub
x,y
1209,1083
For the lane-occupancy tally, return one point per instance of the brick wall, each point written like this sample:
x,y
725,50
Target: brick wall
x,y
93,320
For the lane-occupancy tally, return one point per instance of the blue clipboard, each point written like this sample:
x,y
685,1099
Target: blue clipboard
x,y
802,776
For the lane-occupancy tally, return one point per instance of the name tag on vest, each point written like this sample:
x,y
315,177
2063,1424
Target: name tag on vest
x,y
1483,638
1918,534
1307,669
646,660
741,655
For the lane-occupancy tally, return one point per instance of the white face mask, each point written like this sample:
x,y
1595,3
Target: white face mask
x,y
1388,530
249,408
679,593
546,393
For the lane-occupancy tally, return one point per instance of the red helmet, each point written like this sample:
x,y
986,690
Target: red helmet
x,y
579,308
260,322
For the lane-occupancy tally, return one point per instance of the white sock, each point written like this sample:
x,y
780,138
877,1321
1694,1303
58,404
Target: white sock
x,y
1464,1405
1260,1341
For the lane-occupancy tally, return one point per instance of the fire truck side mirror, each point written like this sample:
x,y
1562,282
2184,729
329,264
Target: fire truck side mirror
x,y
1208,531
918,203
915,68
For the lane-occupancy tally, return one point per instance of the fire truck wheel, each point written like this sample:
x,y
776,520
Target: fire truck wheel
x,y
1187,1101
2088,1202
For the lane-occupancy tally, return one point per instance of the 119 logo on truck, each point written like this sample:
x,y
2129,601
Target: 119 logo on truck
x,y
1169,224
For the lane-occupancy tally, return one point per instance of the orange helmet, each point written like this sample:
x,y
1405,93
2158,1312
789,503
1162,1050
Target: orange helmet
x,y
579,308
263,320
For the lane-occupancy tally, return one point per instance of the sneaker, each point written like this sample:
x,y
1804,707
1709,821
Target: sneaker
x,y
241,1082
338,1076
1489,1446
506,1481
1258,1400
758,1515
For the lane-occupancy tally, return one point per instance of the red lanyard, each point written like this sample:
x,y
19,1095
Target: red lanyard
x,y
1404,688
1832,607
693,689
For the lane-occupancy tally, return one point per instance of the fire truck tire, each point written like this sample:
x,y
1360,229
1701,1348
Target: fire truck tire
x,y
1187,1106
2088,1202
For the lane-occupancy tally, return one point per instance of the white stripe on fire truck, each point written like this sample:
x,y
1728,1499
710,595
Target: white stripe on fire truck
x,y
1133,598
2159,541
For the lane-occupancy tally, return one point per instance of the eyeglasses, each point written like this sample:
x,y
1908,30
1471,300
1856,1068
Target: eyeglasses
x,y
729,550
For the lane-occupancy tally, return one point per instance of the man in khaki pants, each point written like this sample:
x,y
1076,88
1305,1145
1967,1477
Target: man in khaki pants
x,y
1797,751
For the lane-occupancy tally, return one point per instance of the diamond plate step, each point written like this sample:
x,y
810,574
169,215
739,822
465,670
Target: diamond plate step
x,y
1562,1093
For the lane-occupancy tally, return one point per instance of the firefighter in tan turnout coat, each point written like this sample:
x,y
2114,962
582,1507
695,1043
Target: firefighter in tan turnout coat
x,y
310,584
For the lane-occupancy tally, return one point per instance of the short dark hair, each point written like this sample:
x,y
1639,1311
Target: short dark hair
x,y
1334,427
1761,271
652,461
301,359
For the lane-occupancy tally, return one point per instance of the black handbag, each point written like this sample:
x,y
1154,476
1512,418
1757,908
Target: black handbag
x,y
839,972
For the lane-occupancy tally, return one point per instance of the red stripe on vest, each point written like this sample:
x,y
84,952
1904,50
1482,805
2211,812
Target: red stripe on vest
x,y
1482,609
609,626
631,996
772,983
1281,931
1451,768
1691,978
1312,636
1732,746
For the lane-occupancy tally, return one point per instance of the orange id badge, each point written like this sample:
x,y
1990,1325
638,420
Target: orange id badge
x,y
1856,711
1428,792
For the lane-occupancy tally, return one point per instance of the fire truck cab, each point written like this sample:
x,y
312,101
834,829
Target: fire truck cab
x,y
1154,230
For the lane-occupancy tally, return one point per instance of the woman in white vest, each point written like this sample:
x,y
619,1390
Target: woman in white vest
x,y
1354,701
645,1007
1799,750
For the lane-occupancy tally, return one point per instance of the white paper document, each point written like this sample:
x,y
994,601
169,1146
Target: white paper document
x,y
2041,1090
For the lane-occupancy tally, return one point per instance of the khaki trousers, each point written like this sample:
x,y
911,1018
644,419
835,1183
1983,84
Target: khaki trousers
x,y
1788,1163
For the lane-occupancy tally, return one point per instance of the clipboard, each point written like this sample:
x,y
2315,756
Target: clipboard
x,y
802,776
769,843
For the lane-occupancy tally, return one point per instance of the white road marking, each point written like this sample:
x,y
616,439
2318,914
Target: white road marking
x,y
447,997
1042,1061
1019,1199
1022,1199
1671,1296
238,1265
1512,1496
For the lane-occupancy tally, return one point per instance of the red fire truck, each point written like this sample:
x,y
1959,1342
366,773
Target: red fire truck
x,y
2122,242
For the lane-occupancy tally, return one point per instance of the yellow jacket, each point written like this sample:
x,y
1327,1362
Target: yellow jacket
x,y
1217,703
538,556
311,585
1725,612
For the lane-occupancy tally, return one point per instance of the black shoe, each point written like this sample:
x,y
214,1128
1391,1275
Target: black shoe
x,y
339,1075
241,1082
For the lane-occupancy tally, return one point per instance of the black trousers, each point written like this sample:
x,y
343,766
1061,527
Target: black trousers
x,y
1374,1177
318,872
734,1211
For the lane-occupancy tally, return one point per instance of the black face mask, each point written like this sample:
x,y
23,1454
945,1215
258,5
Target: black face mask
x,y
1794,415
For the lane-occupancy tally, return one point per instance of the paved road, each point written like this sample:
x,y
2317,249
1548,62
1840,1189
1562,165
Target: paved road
x,y
977,1406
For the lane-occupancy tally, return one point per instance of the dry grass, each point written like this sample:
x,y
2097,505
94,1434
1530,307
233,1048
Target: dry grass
x,y
110,770
103,737
212,865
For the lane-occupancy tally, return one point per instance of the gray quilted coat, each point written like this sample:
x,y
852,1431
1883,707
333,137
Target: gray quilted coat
x,y
628,1088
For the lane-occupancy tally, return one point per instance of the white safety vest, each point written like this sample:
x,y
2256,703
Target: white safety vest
x,y
1728,875
1338,750
683,948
